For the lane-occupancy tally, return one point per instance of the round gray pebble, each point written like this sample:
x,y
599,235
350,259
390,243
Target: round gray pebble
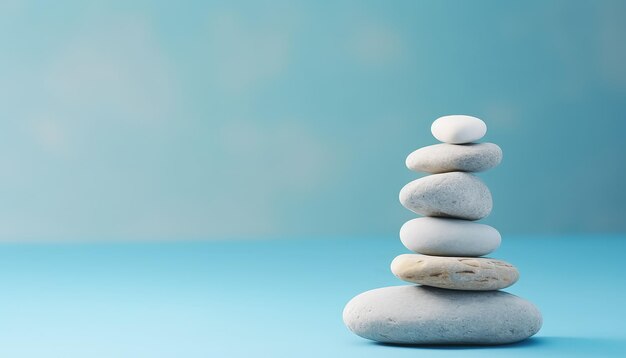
x,y
457,195
443,158
449,237
428,315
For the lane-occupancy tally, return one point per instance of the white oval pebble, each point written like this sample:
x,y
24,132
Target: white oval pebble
x,y
429,315
458,129
449,237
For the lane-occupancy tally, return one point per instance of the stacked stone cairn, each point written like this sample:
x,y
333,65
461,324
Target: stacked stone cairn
x,y
457,298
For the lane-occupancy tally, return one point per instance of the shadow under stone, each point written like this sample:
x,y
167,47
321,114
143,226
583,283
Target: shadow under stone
x,y
533,341
572,346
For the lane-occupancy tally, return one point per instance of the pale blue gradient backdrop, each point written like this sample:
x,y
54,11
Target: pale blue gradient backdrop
x,y
184,120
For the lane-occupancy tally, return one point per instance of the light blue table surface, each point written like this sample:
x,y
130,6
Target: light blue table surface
x,y
279,298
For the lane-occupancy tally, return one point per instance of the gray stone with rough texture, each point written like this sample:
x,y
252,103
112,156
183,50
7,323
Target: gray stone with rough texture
x,y
443,158
455,194
449,237
455,273
428,315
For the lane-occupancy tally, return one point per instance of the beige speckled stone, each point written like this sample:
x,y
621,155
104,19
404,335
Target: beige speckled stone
x,y
457,273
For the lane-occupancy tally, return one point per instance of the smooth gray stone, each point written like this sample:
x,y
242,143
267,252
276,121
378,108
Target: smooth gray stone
x,y
443,158
449,237
429,315
455,273
457,195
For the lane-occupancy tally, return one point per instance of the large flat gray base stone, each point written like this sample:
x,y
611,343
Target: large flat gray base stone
x,y
429,315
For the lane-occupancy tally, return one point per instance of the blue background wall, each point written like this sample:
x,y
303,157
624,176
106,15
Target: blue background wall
x,y
166,120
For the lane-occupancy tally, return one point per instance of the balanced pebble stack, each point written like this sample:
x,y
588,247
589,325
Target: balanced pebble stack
x,y
457,298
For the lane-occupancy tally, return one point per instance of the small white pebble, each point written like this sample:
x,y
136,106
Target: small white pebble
x,y
458,129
